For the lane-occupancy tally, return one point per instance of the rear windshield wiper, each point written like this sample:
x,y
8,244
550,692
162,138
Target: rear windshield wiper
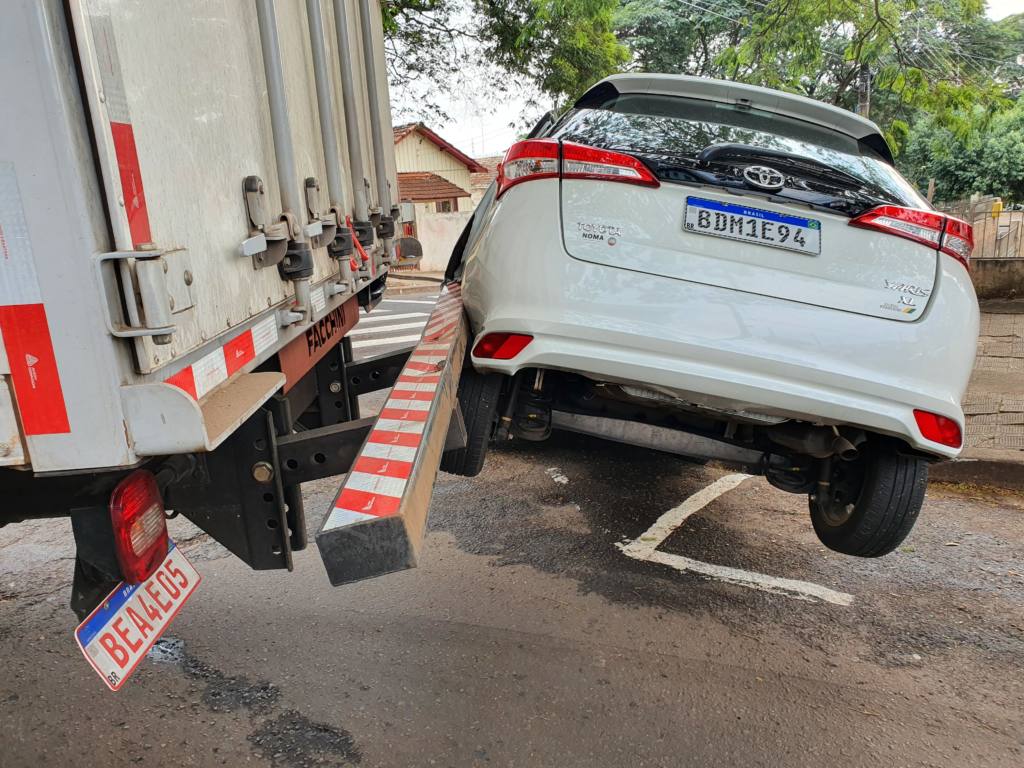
x,y
797,164
851,200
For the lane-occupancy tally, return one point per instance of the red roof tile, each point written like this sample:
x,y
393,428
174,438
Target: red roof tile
x,y
480,181
420,186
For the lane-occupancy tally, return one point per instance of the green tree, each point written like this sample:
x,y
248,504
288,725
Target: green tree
x,y
988,159
937,56
562,46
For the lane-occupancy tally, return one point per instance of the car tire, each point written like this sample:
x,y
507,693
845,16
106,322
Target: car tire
x,y
871,504
478,401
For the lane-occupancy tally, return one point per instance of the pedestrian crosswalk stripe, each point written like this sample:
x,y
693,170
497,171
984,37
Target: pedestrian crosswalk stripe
x,y
385,342
373,318
360,331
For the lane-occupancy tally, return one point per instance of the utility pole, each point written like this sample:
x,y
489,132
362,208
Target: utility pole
x,y
864,91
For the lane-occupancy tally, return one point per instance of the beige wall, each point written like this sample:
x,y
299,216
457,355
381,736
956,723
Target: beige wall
x,y
438,233
415,153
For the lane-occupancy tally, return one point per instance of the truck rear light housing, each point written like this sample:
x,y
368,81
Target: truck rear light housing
x,y
549,158
939,429
140,528
944,233
501,346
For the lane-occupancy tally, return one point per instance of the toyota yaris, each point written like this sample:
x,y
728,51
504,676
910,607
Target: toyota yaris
x,y
723,272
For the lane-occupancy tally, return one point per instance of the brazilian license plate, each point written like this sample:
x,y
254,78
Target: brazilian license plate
x,y
118,634
752,225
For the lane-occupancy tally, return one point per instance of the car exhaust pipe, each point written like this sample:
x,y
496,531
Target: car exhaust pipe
x,y
844,449
816,442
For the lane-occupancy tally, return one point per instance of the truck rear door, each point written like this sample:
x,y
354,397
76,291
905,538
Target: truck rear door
x,y
178,99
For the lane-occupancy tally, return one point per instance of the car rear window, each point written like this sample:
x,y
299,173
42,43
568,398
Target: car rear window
x,y
680,128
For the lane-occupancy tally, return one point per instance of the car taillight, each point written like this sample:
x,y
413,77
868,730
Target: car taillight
x,y
944,233
140,529
501,346
548,159
939,429
958,240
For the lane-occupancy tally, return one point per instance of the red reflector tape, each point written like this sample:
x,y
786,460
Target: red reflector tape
x,y
238,352
216,367
131,182
387,467
372,504
183,379
26,336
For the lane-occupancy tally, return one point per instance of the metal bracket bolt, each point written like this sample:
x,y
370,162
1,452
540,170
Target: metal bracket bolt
x,y
262,472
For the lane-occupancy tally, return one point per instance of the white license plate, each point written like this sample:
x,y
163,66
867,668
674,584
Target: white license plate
x,y
752,225
118,634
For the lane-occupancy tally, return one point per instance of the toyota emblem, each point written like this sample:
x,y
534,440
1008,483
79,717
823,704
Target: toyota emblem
x,y
763,177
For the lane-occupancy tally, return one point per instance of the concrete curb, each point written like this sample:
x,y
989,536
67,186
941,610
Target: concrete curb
x,y
402,290
979,466
411,282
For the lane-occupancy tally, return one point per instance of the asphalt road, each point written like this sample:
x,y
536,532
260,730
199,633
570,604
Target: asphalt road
x,y
531,637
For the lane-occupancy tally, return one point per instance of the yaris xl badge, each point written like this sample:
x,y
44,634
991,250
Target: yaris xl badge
x,y
763,177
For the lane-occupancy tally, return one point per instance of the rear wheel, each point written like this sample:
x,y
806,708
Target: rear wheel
x,y
870,504
478,401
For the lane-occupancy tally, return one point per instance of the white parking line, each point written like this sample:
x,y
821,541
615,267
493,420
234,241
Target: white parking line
x,y
412,301
645,548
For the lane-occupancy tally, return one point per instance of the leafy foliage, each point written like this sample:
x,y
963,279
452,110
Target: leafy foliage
x,y
563,46
935,56
421,40
988,159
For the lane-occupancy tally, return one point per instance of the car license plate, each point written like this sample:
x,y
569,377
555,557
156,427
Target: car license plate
x,y
118,634
752,225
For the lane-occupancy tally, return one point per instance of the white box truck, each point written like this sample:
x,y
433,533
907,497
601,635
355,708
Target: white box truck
x,y
196,200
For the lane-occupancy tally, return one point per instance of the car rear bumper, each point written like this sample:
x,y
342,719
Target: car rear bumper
x,y
725,348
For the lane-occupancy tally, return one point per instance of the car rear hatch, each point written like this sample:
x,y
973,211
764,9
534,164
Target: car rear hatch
x,y
751,201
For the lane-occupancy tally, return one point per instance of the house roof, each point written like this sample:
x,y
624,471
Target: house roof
x,y
482,180
402,131
421,186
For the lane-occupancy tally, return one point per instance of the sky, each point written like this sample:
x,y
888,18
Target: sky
x,y
482,125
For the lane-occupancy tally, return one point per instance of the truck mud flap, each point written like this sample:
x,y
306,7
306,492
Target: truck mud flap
x,y
378,518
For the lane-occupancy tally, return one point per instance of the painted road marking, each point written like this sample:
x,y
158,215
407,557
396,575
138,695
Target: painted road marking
x,y
645,548
360,331
413,301
389,317
385,342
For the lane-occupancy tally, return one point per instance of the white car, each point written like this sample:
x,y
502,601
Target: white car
x,y
724,272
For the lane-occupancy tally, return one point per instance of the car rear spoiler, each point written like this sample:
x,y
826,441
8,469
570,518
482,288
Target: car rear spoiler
x,y
865,132
377,521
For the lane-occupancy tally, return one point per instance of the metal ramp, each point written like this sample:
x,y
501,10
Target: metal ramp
x,y
379,515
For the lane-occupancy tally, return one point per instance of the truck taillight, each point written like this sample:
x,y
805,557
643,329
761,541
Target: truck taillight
x,y
939,429
140,529
944,233
548,158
